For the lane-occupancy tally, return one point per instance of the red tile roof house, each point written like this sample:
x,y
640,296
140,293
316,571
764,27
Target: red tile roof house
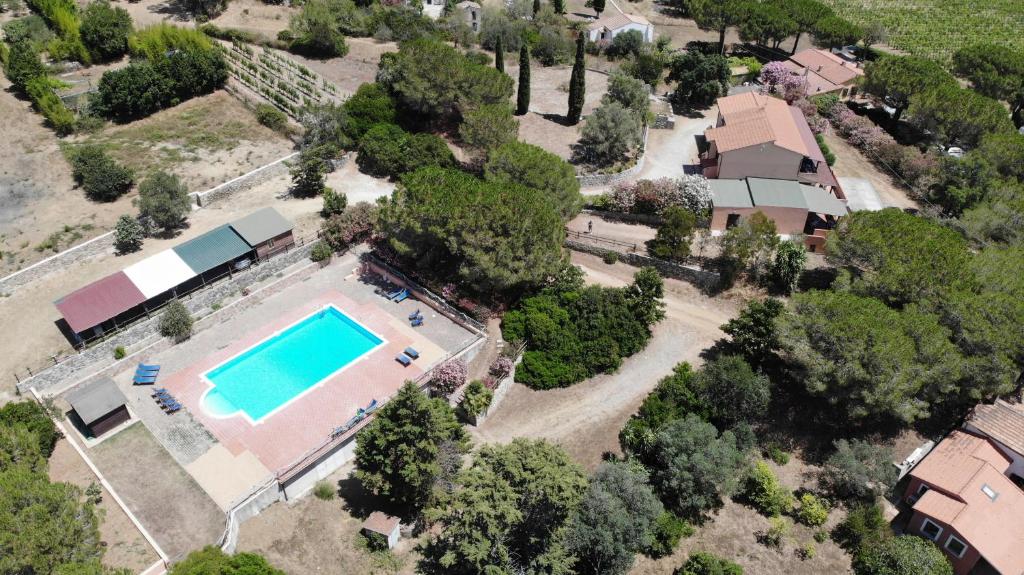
x,y
758,136
963,501
826,73
1003,423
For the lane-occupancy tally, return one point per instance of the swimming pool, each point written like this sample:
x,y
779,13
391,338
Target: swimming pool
x,y
271,374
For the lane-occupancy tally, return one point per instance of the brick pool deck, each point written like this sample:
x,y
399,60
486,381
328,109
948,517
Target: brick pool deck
x,y
284,436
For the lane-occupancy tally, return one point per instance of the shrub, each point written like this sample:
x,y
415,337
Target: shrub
x,y
119,352
609,135
812,512
23,64
903,555
865,526
334,203
60,118
128,234
176,321
321,252
501,367
476,400
858,470
765,493
323,490
352,226
388,150
776,533
369,106
164,200
154,42
487,127
830,158
102,179
807,551
777,454
628,43
449,376
821,536
105,30
668,529
701,563
690,192
271,117
610,257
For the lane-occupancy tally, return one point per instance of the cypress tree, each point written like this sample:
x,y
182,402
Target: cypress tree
x,y
598,7
499,56
577,83
523,95
536,7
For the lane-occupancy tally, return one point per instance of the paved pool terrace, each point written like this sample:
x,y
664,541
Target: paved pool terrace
x,y
229,456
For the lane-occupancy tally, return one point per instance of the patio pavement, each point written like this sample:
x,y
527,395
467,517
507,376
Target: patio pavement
x,y
861,195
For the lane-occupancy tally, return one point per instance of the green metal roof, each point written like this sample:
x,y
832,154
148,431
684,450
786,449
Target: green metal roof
x,y
776,193
215,247
730,194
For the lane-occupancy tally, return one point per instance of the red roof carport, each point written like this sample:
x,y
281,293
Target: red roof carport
x,y
99,301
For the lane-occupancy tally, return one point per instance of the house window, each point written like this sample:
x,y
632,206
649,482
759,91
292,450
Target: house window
x,y
956,547
931,530
922,488
732,220
270,243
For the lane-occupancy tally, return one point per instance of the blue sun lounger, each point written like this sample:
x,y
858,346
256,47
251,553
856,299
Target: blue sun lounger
x,y
172,407
160,391
414,315
412,353
417,322
400,358
394,294
144,367
162,395
144,379
402,296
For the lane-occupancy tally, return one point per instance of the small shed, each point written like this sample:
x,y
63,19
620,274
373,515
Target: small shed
x,y
384,526
100,405
266,231
472,13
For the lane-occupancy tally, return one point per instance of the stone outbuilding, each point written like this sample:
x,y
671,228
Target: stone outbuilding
x,y
384,526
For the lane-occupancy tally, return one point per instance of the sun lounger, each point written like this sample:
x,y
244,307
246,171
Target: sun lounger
x,y
161,394
400,358
417,322
158,391
402,296
166,398
144,380
394,294
168,402
414,315
412,353
144,367
173,408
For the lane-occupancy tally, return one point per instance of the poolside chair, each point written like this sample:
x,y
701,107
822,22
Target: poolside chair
x,y
370,408
402,296
166,399
400,358
417,322
412,353
144,367
414,314
161,394
159,390
172,407
144,379
394,294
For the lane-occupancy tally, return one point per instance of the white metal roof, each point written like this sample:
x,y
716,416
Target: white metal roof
x,y
159,273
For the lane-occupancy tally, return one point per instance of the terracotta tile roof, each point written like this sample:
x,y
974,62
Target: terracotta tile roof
x,y
752,119
1000,421
972,495
827,65
616,21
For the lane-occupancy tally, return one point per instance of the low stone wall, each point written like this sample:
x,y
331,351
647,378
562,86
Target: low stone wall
x,y
500,391
89,364
597,180
645,219
700,277
243,182
81,252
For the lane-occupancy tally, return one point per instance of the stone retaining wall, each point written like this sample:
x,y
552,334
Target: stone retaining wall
x,y
89,363
702,278
243,182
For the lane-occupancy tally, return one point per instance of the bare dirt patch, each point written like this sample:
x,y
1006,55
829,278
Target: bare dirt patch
x,y
256,17
585,419
544,125
316,536
125,546
852,163
168,502
358,67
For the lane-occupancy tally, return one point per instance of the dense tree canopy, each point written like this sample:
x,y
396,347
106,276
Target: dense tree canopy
x,y
212,561
508,513
994,70
871,361
494,237
487,127
397,454
896,78
903,555
610,135
429,77
833,31
693,465
700,78
369,106
958,115
614,520
579,333
535,167
164,199
105,30
388,150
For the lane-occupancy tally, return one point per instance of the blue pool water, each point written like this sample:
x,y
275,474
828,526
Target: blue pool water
x,y
270,374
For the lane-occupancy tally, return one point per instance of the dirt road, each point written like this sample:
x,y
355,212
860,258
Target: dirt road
x,y
585,419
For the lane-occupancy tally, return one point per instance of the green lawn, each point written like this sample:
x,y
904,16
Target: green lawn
x,y
938,28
